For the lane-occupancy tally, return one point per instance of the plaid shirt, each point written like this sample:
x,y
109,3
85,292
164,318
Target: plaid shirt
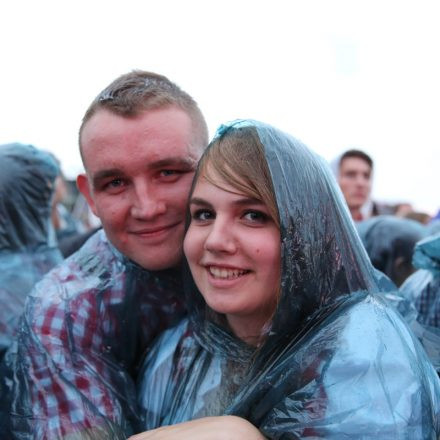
x,y
426,289
85,327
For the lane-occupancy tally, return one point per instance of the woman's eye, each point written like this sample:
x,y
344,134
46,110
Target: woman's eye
x,y
202,215
255,216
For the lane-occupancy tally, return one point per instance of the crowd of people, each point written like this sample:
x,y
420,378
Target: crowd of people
x,y
235,288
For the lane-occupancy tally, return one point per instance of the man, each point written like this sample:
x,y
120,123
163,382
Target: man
x,y
88,322
355,177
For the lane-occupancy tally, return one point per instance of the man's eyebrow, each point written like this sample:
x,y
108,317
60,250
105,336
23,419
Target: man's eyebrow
x,y
184,162
105,174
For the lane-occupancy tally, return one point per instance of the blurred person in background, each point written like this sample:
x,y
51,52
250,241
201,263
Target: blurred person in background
x,y
354,172
389,242
423,287
71,232
28,246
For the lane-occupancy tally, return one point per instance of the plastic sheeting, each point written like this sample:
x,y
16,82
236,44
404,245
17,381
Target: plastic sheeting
x,y
28,248
85,325
390,242
423,287
338,362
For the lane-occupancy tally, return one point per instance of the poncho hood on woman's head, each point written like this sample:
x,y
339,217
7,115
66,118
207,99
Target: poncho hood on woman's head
x,y
27,177
323,260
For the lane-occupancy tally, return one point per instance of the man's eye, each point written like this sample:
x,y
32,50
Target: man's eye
x,y
202,215
113,184
167,173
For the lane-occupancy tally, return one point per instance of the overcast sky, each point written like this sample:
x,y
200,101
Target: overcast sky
x,y
335,74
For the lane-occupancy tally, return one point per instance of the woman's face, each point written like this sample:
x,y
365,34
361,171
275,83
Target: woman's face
x,y
233,249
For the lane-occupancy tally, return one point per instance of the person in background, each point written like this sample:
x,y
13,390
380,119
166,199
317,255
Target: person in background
x,y
28,248
287,327
423,287
354,171
71,232
389,242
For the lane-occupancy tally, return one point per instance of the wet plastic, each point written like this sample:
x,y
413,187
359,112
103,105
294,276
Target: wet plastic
x,y
28,248
338,362
85,327
423,287
389,242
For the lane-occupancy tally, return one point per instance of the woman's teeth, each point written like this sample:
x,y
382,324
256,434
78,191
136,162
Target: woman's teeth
x,y
226,274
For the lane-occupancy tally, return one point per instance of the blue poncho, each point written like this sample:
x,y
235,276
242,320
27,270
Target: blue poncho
x,y
339,362
28,247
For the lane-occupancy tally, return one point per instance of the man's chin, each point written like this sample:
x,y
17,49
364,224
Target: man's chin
x,y
156,261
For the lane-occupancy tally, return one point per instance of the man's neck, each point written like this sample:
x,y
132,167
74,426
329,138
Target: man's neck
x,y
356,214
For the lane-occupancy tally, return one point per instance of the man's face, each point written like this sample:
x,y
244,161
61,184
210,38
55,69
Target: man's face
x,y
139,172
355,181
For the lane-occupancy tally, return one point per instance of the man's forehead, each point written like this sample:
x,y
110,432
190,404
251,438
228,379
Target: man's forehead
x,y
354,162
164,135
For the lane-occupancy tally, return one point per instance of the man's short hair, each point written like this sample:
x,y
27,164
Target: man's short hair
x,y
358,154
138,91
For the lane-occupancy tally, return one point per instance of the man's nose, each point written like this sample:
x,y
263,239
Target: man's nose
x,y
146,203
221,237
361,180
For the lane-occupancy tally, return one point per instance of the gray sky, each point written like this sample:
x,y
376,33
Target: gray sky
x,y
336,74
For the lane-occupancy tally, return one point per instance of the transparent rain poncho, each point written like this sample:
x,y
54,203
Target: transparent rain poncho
x,y
84,329
28,248
389,242
423,287
338,362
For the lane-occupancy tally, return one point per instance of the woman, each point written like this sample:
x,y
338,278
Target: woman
x,y
285,328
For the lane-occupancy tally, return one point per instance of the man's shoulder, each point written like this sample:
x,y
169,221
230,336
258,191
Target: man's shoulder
x,y
88,269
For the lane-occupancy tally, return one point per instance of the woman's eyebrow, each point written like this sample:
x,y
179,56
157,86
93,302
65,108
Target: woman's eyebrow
x,y
240,202
199,202
248,201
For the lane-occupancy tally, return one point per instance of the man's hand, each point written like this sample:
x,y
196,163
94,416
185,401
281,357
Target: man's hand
x,y
207,428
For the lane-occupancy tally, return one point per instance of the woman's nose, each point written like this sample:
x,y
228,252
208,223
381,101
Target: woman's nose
x,y
221,237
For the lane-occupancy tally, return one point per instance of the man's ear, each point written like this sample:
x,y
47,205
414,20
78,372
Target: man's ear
x,y
82,182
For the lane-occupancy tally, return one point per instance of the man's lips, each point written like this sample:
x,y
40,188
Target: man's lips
x,y
153,230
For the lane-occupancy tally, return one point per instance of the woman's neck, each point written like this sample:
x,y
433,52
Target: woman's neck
x,y
251,330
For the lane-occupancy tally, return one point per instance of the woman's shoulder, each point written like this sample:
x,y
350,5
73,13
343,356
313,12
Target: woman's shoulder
x,y
163,350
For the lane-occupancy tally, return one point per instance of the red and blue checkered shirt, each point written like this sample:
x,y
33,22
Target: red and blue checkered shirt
x,y
82,336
